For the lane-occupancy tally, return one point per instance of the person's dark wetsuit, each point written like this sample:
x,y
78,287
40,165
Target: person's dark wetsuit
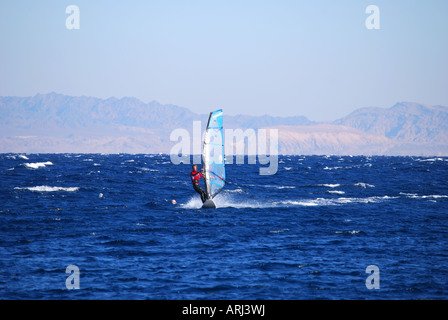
x,y
195,177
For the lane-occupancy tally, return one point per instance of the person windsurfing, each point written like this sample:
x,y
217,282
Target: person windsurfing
x,y
195,178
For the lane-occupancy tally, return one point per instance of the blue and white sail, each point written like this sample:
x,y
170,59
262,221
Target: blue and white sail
x,y
213,160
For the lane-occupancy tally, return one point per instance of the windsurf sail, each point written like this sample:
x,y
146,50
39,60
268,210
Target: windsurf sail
x,y
213,160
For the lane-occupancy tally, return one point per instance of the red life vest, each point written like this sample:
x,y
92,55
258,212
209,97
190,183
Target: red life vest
x,y
195,176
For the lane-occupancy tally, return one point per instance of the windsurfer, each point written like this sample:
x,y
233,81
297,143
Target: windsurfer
x,y
195,177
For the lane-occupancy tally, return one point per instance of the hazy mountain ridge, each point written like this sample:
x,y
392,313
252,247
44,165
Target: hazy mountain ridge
x,y
405,121
60,123
57,111
330,139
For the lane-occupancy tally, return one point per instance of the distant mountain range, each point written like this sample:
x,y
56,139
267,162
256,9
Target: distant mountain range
x,y
53,123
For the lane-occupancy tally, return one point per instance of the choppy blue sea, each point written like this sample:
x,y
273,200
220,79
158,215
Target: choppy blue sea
x,y
307,232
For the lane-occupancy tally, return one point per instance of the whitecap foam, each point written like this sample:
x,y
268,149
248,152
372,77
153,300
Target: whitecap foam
x,y
37,165
329,185
431,196
430,160
148,169
409,195
333,168
435,196
364,200
48,189
21,156
332,202
304,203
270,186
238,190
348,232
364,185
193,203
225,200
336,192
279,231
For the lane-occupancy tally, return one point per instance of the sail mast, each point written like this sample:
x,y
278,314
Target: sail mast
x,y
205,159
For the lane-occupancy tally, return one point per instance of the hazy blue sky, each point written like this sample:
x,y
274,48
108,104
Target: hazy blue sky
x,y
312,58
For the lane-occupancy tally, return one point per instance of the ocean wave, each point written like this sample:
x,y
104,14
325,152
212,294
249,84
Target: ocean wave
x,y
279,231
435,196
329,185
336,192
302,203
225,201
48,189
15,156
148,169
364,185
238,190
37,165
348,232
348,167
333,168
333,202
270,186
430,160
431,196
